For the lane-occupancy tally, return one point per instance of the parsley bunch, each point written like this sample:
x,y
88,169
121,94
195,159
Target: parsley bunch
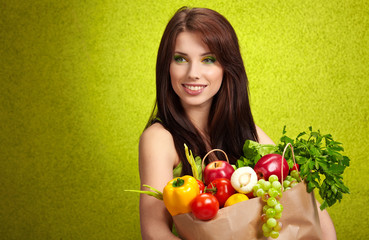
x,y
319,157
321,163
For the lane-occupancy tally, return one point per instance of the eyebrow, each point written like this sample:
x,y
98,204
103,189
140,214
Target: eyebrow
x,y
185,54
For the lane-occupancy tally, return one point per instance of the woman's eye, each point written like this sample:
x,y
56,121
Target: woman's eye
x,y
179,59
209,60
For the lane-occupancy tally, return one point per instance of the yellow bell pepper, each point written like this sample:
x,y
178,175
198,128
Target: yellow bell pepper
x,y
179,193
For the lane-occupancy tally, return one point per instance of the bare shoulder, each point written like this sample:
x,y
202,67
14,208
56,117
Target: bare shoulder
x,y
263,137
156,148
156,136
155,131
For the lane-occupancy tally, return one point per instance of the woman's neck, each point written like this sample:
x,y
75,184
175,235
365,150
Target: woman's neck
x,y
199,118
198,115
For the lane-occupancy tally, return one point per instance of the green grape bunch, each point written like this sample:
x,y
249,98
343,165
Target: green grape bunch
x,y
270,191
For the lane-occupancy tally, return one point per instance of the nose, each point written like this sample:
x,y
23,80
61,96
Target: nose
x,y
194,71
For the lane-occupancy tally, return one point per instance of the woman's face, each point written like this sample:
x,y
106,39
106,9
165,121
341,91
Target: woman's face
x,y
196,75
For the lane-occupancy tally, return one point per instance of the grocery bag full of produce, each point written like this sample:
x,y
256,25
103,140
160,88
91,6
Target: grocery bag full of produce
x,y
318,164
242,220
268,193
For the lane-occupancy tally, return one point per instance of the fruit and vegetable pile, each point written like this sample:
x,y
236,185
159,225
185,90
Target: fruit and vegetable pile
x,y
264,171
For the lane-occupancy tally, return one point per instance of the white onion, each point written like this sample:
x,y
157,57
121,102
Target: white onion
x,y
244,179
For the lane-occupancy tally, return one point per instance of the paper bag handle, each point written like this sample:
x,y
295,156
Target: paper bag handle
x,y
219,150
293,157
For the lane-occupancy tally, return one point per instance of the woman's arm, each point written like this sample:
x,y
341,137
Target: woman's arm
x,y
326,223
157,156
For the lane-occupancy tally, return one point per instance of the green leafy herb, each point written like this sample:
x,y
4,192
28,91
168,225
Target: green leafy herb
x,y
321,163
319,157
253,151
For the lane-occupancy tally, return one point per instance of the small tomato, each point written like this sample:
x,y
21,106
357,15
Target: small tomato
x,y
250,195
201,185
295,167
205,206
222,189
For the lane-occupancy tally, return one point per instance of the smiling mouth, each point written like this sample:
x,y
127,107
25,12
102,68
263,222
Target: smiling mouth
x,y
194,87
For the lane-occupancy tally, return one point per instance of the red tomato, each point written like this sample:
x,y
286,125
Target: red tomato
x,y
250,195
222,189
204,206
295,167
201,185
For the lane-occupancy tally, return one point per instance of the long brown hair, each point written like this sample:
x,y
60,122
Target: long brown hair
x,y
230,120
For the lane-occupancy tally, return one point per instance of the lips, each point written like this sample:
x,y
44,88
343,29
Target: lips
x,y
194,89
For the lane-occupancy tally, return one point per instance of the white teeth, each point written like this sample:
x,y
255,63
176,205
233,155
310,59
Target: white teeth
x,y
194,88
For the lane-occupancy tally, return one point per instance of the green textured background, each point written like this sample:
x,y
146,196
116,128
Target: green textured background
x,y
78,84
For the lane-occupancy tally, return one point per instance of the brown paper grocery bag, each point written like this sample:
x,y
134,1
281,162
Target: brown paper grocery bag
x,y
242,220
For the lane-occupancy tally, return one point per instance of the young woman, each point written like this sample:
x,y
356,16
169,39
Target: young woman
x,y
201,100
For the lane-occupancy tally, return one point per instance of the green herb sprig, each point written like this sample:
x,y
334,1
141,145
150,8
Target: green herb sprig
x,y
321,163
